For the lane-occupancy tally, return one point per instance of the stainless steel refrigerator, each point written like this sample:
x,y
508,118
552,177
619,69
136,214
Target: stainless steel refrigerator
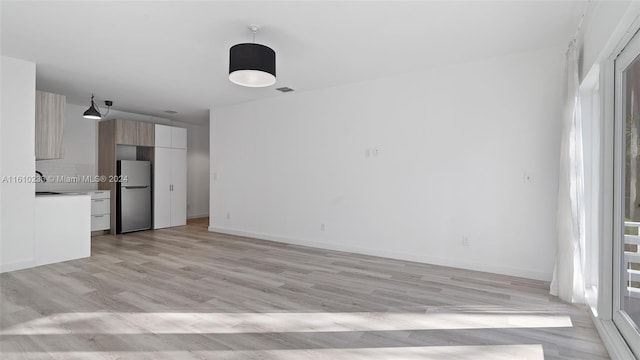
x,y
134,196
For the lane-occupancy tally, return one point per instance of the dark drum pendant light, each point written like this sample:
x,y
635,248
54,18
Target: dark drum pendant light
x,y
251,64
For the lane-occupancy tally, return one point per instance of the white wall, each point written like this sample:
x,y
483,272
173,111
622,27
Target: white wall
x,y
17,143
80,153
81,144
197,170
454,145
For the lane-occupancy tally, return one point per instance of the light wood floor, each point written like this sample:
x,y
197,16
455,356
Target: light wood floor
x,y
186,293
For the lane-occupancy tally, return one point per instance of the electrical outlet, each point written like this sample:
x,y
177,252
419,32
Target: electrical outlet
x,y
322,228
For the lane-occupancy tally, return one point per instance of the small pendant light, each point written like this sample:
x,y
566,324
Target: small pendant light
x,y
93,113
251,64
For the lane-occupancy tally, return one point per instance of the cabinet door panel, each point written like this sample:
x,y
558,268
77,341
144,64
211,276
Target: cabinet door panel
x,y
100,206
178,138
163,136
126,132
100,222
145,134
50,116
179,181
161,188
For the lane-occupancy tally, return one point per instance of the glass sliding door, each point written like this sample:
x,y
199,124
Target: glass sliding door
x,y
626,289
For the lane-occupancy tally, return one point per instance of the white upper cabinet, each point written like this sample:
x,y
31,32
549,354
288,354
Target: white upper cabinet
x,y
171,137
178,138
163,136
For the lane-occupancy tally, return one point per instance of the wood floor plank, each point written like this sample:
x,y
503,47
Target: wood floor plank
x,y
186,293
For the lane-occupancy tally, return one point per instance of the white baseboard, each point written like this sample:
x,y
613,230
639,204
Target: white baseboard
x,y
525,273
197,216
612,340
17,265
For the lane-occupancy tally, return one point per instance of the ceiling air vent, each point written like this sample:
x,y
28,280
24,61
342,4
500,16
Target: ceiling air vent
x,y
285,89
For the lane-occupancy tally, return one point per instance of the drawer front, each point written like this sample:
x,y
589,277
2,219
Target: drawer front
x,y
100,206
100,194
100,222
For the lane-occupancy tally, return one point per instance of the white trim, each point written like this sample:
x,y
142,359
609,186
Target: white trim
x,y
17,265
619,173
525,273
627,26
605,282
617,348
632,28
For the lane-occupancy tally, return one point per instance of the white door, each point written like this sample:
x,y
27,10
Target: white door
x,y
626,260
162,188
179,188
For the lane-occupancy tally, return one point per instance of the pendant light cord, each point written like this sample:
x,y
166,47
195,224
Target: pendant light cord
x,y
254,29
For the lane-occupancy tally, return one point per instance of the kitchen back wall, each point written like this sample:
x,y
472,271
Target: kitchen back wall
x,y
81,149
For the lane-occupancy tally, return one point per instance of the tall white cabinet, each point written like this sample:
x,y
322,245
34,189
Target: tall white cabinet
x,y
170,177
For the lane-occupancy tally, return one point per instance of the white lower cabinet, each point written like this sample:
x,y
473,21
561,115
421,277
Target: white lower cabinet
x,y
100,210
169,187
61,228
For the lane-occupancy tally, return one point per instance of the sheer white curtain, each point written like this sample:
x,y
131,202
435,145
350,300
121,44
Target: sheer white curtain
x,y
568,280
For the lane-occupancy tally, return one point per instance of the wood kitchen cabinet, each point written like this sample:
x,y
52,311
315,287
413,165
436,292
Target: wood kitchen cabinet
x,y
50,118
130,132
170,177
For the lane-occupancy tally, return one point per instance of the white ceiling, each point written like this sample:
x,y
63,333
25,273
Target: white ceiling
x,y
150,56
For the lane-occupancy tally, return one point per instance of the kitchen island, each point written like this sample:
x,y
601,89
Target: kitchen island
x,y
62,227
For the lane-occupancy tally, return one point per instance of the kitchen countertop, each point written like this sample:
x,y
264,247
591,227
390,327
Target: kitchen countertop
x,y
62,194
67,193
